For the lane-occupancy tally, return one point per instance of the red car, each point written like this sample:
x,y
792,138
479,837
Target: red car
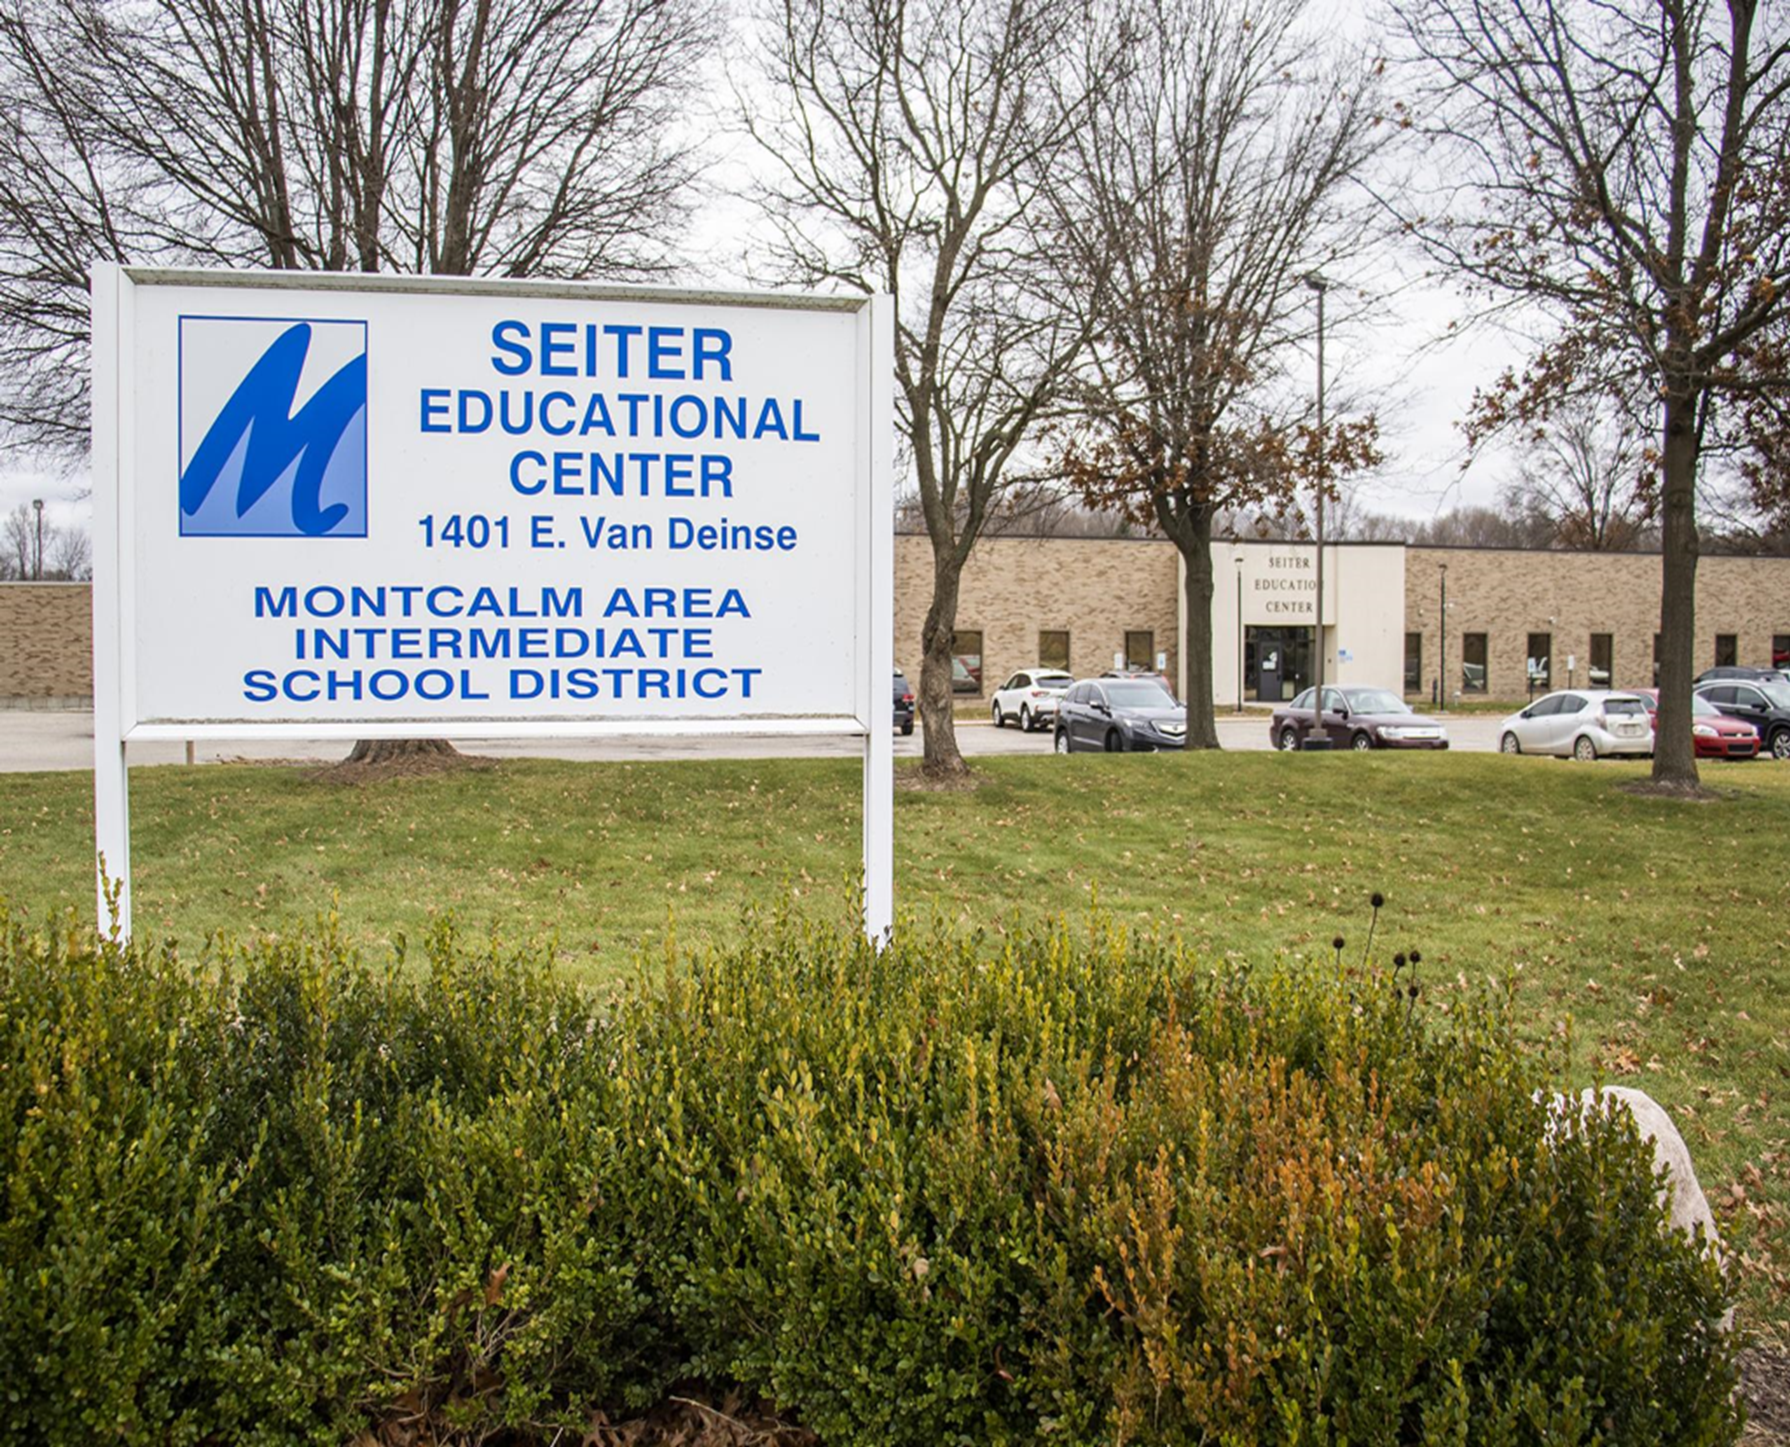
x,y
1713,734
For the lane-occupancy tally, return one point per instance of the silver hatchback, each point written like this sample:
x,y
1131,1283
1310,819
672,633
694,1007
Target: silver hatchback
x,y
1581,723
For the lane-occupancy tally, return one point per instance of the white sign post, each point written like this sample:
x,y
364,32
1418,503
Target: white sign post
x,y
344,507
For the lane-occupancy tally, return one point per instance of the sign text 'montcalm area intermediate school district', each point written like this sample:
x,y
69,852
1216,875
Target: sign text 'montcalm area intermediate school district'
x,y
382,506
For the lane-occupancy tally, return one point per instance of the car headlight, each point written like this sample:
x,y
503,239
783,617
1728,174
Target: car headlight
x,y
1705,731
1392,731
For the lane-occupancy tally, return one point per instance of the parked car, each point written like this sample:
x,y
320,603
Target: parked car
x,y
1356,717
904,703
1765,705
1585,723
1119,715
1135,672
1713,734
1029,698
1728,673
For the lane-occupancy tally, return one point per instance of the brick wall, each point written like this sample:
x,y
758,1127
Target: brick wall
x,y
46,644
1508,594
1096,588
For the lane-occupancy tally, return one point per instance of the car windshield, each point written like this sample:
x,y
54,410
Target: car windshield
x,y
1056,682
1614,707
1703,708
1374,700
1777,693
1137,694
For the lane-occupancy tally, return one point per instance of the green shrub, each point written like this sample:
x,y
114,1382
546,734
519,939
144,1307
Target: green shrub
x,y
1057,1187
1086,1191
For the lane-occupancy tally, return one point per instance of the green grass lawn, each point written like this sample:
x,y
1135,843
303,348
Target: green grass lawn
x,y
1660,931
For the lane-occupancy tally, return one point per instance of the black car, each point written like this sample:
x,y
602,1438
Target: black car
x,y
1730,674
904,703
1120,715
1764,704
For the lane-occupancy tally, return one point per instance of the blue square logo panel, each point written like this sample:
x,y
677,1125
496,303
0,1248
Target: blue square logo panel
x,y
273,428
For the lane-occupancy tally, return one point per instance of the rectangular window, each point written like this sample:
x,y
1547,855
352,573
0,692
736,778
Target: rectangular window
x,y
1053,648
1780,650
1413,663
1603,668
1473,677
1540,665
1656,660
1727,650
1140,650
966,662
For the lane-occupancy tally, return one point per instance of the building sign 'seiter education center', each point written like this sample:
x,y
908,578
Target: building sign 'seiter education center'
x,y
362,507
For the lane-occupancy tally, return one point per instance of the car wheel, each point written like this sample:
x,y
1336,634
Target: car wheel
x,y
1509,745
1289,739
1361,743
907,728
1584,750
1025,718
1062,741
1780,744
999,722
1114,744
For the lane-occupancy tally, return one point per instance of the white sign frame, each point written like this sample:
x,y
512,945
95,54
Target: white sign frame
x,y
114,290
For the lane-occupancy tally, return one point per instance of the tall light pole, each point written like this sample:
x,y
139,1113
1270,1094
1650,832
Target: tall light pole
x,y
38,504
1318,284
1240,642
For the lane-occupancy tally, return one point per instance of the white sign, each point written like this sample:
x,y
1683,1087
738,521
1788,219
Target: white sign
x,y
344,507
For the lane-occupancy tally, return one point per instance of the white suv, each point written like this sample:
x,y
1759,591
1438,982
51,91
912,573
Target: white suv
x,y
1030,698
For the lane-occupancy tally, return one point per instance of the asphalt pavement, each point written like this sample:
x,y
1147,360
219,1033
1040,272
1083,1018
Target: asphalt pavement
x,y
38,740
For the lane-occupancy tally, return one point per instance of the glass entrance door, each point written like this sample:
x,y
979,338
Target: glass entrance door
x,y
1276,663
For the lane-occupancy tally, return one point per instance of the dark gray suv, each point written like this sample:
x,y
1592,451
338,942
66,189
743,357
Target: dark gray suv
x,y
1120,715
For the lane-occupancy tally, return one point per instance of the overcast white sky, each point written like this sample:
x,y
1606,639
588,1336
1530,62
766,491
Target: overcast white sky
x,y
1414,360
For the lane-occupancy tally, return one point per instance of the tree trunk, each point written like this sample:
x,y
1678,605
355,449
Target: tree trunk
x,y
1196,552
386,751
937,700
1191,533
1674,758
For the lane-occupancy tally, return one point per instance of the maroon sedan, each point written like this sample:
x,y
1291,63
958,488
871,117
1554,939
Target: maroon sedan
x,y
1356,718
1713,734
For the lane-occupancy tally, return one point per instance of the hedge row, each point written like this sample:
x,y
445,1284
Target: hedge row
x,y
1065,1187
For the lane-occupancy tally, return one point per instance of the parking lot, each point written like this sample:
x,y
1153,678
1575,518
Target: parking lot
x,y
32,740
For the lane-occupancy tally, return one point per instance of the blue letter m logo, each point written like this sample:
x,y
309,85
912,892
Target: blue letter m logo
x,y
266,464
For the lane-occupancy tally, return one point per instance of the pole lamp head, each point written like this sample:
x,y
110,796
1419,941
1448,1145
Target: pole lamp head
x,y
1317,281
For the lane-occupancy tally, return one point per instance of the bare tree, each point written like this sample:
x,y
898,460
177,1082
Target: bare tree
x,y
18,542
1625,166
909,140
1589,478
513,137
506,137
68,553
1213,182
1348,520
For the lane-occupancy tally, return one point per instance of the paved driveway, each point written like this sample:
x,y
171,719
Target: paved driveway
x,y
31,740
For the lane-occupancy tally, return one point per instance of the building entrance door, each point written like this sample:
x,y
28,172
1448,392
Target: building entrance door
x,y
1276,663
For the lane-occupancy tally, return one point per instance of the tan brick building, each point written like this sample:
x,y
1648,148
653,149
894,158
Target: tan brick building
x,y
1583,611
46,645
1100,597
1582,618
